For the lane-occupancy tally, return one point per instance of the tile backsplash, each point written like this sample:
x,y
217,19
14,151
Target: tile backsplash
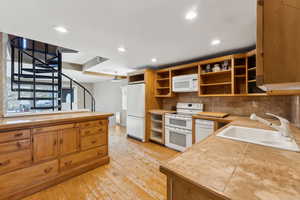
x,y
285,106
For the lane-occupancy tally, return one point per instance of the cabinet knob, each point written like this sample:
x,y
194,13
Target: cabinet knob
x,y
48,170
18,134
68,163
4,163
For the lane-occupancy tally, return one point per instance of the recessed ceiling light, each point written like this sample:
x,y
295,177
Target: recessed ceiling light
x,y
121,49
154,60
215,42
60,29
191,14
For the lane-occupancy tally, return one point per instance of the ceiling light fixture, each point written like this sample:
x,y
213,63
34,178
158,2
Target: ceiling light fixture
x,y
215,42
154,60
121,49
191,14
61,29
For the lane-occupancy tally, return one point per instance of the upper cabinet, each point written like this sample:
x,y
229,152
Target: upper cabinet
x,y
278,45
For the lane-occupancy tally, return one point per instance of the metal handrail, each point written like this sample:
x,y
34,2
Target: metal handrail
x,y
93,103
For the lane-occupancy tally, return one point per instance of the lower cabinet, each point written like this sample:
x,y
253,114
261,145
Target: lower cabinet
x,y
27,177
82,157
15,160
48,145
68,141
33,159
45,146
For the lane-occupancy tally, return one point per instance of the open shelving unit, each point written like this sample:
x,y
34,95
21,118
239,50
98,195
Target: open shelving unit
x,y
157,132
237,80
252,89
163,83
215,83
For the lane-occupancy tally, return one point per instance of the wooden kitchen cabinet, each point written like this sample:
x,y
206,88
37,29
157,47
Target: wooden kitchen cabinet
x,y
278,44
68,141
47,151
45,146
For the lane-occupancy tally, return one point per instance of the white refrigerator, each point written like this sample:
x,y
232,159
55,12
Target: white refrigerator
x,y
136,111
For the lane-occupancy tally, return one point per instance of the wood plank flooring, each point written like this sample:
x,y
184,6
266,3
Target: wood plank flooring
x,y
132,174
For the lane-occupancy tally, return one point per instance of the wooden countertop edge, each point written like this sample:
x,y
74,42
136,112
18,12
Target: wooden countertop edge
x,y
43,122
167,171
161,112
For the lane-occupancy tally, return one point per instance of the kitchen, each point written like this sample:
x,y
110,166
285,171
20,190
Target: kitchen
x,y
219,120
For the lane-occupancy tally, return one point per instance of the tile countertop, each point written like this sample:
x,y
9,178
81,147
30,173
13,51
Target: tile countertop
x,y
239,170
27,121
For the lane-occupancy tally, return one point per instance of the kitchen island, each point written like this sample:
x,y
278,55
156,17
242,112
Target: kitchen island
x,y
220,169
39,151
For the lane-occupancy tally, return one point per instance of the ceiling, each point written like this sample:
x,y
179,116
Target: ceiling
x,y
146,29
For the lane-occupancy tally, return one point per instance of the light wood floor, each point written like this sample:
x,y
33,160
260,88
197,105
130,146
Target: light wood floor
x,y
132,174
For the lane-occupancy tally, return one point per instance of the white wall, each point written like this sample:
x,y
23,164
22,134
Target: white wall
x,y
78,95
108,97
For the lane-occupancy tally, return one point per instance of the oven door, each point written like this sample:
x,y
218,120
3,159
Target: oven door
x,y
178,139
178,122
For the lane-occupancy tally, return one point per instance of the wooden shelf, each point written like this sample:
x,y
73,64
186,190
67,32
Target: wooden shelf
x,y
240,76
163,88
156,139
215,84
157,121
251,69
156,130
163,79
252,81
163,95
239,67
216,95
214,73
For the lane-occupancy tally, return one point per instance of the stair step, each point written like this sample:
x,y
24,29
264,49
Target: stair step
x,y
39,71
52,62
31,90
37,98
37,83
36,76
44,108
45,66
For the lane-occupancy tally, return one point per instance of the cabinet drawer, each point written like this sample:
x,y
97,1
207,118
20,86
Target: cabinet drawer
x,y
14,135
15,160
93,141
85,156
14,146
90,124
27,177
53,128
92,131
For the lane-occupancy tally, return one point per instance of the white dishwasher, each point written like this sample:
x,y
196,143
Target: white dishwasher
x,y
204,128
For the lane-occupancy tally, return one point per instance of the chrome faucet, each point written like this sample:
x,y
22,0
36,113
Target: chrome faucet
x,y
283,128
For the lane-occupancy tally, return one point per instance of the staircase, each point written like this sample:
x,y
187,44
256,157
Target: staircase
x,y
36,75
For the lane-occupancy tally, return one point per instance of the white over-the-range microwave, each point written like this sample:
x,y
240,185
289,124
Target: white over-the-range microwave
x,y
185,83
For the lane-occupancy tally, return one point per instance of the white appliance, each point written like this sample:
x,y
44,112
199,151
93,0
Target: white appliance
x,y
136,111
178,127
204,128
185,83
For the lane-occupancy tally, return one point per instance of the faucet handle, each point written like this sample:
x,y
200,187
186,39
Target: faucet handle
x,y
282,120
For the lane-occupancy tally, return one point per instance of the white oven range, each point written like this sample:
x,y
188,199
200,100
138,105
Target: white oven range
x,y
178,127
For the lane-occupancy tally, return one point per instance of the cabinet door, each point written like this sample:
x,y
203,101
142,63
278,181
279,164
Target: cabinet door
x,y
68,141
45,146
278,42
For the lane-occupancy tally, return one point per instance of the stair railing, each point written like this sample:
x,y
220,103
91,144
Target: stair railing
x,y
21,51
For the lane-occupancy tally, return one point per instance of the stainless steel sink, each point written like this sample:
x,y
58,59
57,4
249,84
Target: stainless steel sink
x,y
259,136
